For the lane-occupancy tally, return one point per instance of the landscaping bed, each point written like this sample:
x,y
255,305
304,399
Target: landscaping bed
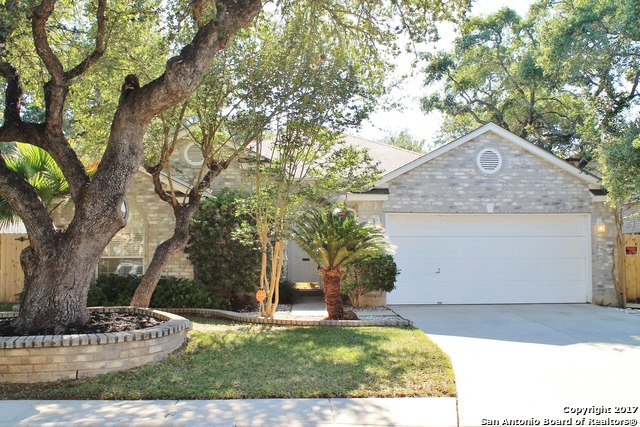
x,y
44,358
225,360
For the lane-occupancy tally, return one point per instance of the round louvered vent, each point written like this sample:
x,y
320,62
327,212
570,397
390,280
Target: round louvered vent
x,y
489,161
193,155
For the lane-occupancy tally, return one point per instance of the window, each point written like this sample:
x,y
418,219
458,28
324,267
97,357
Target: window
x,y
124,255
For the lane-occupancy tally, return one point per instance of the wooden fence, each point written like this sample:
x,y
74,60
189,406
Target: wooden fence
x,y
630,247
11,275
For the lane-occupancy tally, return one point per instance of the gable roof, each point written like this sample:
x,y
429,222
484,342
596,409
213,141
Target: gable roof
x,y
593,181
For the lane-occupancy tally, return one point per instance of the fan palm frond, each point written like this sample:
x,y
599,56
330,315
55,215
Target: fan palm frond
x,y
37,167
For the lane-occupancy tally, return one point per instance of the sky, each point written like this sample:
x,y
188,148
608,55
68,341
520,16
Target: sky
x,y
411,118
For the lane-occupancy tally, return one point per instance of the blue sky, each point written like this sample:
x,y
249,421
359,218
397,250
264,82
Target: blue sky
x,y
411,118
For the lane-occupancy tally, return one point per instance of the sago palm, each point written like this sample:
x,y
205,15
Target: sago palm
x,y
333,241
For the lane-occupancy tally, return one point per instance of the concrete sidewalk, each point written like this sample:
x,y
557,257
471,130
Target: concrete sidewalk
x,y
410,412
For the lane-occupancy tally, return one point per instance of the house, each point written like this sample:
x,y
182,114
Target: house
x,y
492,218
488,218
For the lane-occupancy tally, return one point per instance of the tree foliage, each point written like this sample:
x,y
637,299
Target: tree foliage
x,y
38,168
370,274
494,75
404,139
565,77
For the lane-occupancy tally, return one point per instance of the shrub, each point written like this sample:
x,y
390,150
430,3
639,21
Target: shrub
x,y
373,273
171,292
228,266
288,292
112,289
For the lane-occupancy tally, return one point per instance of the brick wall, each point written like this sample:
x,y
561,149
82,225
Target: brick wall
x,y
48,358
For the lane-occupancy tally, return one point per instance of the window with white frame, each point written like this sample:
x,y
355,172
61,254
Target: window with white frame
x,y
124,255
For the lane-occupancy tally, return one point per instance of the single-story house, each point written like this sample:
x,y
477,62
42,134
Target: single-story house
x,y
487,218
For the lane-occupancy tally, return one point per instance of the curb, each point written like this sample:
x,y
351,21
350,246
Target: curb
x,y
248,318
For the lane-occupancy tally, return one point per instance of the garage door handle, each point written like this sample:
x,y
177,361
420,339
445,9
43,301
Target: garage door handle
x,y
306,259
438,272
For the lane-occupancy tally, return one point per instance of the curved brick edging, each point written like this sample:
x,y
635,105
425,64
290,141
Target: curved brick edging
x,y
242,317
43,358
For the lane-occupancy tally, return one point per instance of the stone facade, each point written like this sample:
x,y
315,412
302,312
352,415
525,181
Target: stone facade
x,y
452,183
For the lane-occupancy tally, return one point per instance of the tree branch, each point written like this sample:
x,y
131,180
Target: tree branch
x,y
184,72
56,89
13,93
182,76
25,200
99,49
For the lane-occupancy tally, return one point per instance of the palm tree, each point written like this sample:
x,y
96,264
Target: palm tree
x,y
334,240
38,167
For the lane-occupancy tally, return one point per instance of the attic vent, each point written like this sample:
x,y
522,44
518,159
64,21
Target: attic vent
x,y
489,161
193,155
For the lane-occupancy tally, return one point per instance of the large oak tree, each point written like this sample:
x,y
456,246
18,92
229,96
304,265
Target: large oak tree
x,y
58,60
59,265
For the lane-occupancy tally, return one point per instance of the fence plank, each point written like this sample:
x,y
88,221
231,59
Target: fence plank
x,y
11,275
631,266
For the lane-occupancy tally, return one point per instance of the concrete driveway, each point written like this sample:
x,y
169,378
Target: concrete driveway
x,y
538,364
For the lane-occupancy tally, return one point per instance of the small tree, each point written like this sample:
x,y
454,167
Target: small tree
x,y
335,240
370,274
305,166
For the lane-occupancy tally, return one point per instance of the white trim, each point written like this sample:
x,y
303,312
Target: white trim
x,y
588,232
363,197
491,127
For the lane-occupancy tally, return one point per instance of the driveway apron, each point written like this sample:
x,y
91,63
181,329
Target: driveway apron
x,y
548,364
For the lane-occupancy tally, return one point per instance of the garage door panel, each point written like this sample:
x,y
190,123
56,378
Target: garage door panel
x,y
412,225
482,292
460,259
498,247
497,270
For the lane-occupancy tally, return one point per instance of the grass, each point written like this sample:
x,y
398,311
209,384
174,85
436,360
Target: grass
x,y
224,360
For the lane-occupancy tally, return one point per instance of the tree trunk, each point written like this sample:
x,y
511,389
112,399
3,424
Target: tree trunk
x,y
333,299
164,252
57,282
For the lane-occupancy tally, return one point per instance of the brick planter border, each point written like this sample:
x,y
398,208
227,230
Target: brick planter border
x,y
248,318
43,358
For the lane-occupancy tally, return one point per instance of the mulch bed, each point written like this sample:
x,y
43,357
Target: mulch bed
x,y
99,323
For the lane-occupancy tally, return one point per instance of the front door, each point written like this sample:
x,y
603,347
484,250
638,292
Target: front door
x,y
302,270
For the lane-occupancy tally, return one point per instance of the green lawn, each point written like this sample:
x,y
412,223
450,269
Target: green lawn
x,y
226,360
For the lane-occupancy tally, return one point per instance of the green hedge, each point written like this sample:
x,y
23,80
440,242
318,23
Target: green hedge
x,y
171,292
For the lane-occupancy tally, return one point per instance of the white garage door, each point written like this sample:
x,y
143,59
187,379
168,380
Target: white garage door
x,y
484,259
